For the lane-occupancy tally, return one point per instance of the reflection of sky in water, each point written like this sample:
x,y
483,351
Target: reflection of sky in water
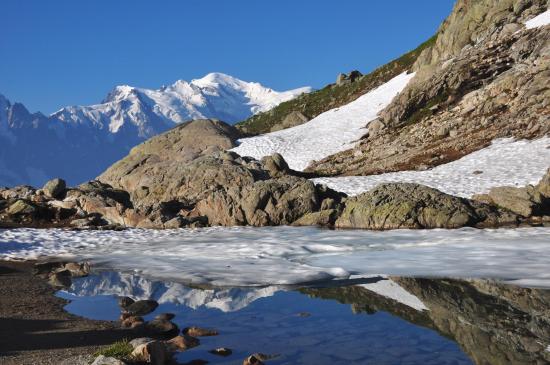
x,y
331,334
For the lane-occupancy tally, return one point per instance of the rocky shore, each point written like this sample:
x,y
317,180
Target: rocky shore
x,y
35,329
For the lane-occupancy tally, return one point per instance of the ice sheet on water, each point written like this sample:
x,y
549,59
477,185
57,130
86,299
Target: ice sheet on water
x,y
245,256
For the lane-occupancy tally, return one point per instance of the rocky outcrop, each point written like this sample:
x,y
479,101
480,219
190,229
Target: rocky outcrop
x,y
186,176
344,79
291,120
525,201
485,77
406,205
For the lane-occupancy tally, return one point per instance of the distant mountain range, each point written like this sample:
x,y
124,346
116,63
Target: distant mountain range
x,y
79,142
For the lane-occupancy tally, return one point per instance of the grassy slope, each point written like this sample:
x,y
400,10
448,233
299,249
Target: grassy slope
x,y
332,96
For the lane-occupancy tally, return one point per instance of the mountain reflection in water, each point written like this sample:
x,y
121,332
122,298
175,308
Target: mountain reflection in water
x,y
391,319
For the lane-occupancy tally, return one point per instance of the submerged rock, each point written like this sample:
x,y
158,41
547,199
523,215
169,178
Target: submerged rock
x,y
221,351
199,332
162,327
125,302
142,307
182,342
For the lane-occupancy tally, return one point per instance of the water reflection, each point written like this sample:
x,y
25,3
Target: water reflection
x,y
492,322
373,320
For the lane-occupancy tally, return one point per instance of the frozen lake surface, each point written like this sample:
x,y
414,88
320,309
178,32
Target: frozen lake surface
x,y
245,256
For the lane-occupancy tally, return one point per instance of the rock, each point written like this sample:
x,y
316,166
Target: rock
x,y
125,302
322,218
275,165
78,270
142,307
376,126
293,119
165,316
61,279
406,205
132,322
543,187
85,222
18,192
252,360
526,201
182,342
154,353
22,207
199,332
266,202
104,360
171,189
344,79
162,327
174,223
221,351
140,341
54,188
47,268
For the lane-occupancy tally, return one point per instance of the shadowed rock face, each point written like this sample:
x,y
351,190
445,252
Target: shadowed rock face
x,y
495,324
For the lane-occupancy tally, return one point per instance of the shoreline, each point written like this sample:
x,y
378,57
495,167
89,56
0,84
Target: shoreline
x,y
34,327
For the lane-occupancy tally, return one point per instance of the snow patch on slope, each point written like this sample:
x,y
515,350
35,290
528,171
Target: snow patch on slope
x,y
539,21
504,163
331,132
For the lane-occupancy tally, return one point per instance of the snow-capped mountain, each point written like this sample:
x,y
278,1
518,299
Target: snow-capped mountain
x,y
79,142
214,96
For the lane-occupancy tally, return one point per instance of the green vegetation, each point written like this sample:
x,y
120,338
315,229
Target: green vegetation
x,y
120,350
332,96
426,110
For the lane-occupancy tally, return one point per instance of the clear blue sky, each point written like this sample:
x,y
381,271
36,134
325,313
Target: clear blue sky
x,y
66,52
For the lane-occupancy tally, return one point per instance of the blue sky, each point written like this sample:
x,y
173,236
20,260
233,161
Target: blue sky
x,y
67,52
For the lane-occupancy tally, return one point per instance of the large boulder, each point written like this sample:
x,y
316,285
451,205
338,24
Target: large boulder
x,y
186,177
264,203
54,188
525,201
293,119
407,205
22,207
